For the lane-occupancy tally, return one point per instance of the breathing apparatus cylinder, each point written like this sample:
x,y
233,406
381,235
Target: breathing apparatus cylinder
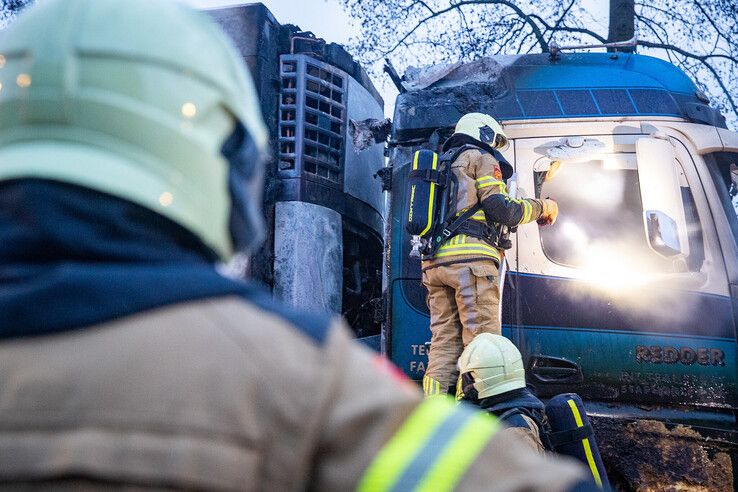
x,y
572,434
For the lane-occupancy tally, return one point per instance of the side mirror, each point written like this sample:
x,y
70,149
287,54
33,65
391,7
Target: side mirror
x,y
663,234
661,196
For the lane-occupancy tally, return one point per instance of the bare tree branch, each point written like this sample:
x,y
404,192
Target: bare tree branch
x,y
528,19
703,59
579,30
700,36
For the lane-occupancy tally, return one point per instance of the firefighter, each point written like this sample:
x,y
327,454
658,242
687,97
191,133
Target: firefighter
x,y
462,276
492,376
130,166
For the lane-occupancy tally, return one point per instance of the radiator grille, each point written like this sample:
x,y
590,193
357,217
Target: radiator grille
x,y
312,115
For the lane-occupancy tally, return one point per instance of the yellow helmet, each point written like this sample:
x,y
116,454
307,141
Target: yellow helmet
x,y
482,127
146,100
494,363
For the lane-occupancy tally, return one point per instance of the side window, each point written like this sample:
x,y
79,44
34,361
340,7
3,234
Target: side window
x,y
600,226
725,175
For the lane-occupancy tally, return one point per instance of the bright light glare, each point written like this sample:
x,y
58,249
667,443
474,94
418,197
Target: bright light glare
x,y
614,268
575,235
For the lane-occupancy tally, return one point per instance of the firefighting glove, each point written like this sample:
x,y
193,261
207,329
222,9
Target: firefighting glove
x,y
549,213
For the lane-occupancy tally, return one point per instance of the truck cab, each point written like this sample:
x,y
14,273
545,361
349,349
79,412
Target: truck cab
x,y
630,299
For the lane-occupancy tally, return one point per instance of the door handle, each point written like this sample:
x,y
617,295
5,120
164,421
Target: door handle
x,y
554,370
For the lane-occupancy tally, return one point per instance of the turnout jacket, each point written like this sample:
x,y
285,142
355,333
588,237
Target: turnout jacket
x,y
126,361
480,182
522,413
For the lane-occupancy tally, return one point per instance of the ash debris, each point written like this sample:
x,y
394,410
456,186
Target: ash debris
x,y
365,133
650,456
485,70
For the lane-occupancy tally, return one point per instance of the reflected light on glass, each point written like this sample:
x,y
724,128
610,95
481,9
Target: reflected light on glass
x,y
574,234
611,267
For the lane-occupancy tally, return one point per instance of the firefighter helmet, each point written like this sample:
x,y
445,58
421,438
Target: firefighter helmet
x,y
146,100
494,363
483,128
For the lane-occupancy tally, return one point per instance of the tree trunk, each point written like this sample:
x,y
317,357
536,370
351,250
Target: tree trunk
x,y
622,22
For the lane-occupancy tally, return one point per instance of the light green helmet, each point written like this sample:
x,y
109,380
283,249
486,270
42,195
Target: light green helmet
x,y
482,127
136,99
495,364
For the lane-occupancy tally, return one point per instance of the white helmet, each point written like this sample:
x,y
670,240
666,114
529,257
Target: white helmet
x,y
145,100
494,363
482,127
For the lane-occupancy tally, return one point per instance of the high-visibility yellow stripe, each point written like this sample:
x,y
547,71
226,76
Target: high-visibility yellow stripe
x,y
459,392
392,459
432,193
431,386
527,211
487,181
452,247
479,216
585,443
432,450
459,454
476,252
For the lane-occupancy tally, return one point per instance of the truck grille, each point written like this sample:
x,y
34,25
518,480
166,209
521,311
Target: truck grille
x,y
312,115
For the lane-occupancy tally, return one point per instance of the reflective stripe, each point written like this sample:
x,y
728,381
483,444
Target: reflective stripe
x,y
465,248
487,181
585,443
431,386
432,450
459,392
471,252
527,210
479,216
432,192
465,245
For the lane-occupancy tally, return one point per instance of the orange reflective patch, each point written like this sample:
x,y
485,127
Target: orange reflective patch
x,y
497,173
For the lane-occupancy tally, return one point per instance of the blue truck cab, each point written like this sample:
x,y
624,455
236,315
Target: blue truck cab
x,y
631,298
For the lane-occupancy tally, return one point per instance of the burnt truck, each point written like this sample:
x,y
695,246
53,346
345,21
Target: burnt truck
x,y
325,211
631,298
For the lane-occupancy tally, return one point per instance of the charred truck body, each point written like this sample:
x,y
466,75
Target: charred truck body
x,y
630,299
324,209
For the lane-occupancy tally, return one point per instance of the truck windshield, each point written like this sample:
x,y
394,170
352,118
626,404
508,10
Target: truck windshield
x,y
600,226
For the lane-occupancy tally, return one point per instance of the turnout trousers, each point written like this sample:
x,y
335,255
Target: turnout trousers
x,y
463,299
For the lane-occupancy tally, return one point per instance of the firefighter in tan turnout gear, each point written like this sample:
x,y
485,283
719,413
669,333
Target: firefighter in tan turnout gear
x,y
129,167
462,276
493,377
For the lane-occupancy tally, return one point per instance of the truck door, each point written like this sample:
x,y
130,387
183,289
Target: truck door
x,y
597,309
